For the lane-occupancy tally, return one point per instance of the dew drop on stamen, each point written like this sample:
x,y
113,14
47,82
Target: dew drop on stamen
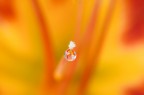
x,y
70,54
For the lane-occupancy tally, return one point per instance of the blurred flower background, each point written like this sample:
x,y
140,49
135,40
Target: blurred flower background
x,y
109,35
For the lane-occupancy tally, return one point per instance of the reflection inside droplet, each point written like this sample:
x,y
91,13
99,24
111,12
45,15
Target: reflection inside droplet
x,y
70,55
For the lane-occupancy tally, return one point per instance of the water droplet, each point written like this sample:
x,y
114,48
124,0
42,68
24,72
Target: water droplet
x,y
70,55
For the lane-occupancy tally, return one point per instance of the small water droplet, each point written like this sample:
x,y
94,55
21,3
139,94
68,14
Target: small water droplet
x,y
70,55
